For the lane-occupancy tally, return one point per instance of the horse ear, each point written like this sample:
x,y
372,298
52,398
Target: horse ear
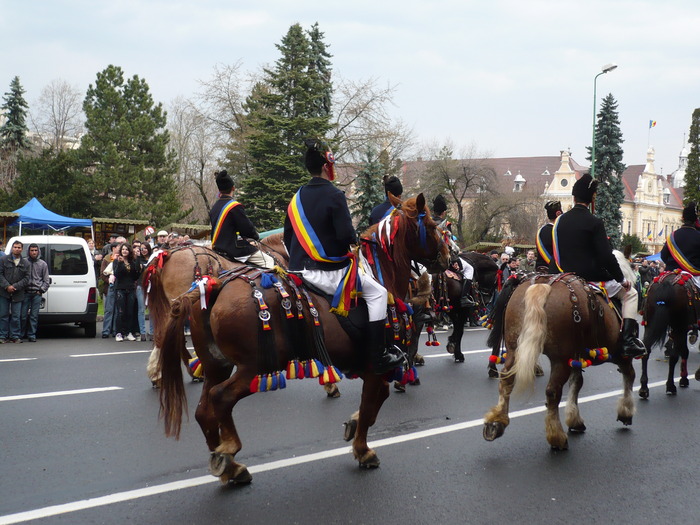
x,y
394,200
420,202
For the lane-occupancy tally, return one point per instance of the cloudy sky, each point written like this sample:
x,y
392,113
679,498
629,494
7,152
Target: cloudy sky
x,y
512,77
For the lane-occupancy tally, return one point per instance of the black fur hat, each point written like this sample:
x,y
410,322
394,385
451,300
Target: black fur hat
x,y
393,184
552,207
439,204
224,181
584,189
690,212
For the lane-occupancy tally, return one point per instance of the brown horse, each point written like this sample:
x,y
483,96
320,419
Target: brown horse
x,y
230,336
560,317
172,273
673,301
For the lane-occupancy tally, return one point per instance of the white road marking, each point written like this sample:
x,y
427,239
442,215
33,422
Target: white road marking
x,y
60,393
447,354
128,495
18,359
112,353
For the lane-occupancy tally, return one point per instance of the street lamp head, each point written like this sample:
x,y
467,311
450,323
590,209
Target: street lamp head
x,y
609,67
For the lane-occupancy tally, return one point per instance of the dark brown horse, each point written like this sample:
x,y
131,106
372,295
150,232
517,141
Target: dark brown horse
x,y
672,302
560,317
229,335
172,273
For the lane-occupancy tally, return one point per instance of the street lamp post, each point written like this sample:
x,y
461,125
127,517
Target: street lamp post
x,y
606,69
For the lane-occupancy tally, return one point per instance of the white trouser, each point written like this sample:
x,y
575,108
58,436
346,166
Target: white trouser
x,y
696,280
258,259
374,294
467,269
628,298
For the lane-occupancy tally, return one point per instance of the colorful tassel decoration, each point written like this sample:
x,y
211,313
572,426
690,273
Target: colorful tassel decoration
x,y
498,359
432,338
330,375
196,368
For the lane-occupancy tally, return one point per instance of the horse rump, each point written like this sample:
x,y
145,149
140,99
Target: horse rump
x,y
657,314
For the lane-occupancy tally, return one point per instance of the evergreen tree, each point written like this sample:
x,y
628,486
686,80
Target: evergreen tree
x,y
369,189
125,151
609,169
286,108
691,192
13,132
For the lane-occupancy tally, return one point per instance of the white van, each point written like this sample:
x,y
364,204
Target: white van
x,y
72,296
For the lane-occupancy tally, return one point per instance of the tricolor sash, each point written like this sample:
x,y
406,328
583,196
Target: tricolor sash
x,y
220,220
678,256
350,286
546,256
555,244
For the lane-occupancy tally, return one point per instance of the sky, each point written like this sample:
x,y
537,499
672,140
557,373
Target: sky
x,y
511,78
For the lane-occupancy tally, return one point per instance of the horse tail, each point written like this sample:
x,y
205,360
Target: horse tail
x,y
499,309
158,302
532,337
659,301
173,400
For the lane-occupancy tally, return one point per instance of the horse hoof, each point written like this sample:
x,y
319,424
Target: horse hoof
x,y
372,461
420,361
450,348
332,390
579,429
218,463
493,430
459,358
625,420
493,373
644,393
399,387
671,390
350,429
239,476
564,446
684,383
697,374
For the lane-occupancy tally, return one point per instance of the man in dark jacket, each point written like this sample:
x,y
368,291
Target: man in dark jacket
x,y
544,236
320,211
231,228
580,245
14,275
682,248
36,286
391,185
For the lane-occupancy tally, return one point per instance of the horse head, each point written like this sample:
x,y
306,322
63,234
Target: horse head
x,y
427,246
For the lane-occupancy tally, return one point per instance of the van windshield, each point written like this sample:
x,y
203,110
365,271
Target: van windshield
x,y
67,259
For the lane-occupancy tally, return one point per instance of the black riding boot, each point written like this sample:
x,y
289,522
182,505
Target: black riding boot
x,y
466,300
631,345
380,359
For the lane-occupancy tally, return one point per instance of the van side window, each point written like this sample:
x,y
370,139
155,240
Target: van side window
x,y
67,259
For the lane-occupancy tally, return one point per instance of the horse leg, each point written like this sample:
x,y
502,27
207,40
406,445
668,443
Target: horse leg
x,y
625,405
672,361
152,370
556,437
204,414
374,392
644,378
573,417
223,398
496,420
454,346
680,342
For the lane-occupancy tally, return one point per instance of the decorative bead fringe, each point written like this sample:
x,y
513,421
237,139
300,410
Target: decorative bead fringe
x,y
597,356
498,359
267,382
196,368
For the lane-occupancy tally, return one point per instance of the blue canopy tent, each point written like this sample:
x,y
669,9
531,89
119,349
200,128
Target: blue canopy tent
x,y
655,257
33,215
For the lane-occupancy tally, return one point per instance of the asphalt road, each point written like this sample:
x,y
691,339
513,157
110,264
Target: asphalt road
x,y
81,443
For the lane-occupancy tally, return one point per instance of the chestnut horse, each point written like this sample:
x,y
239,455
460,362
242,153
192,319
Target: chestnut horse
x,y
228,333
673,301
172,273
560,317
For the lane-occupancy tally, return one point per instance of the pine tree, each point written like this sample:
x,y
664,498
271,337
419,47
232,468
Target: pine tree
x,y
13,132
691,192
286,108
609,169
369,189
125,151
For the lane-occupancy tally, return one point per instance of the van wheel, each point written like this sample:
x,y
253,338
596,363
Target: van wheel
x,y
90,329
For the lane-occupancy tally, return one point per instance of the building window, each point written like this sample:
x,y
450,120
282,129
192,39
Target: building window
x,y
629,227
564,183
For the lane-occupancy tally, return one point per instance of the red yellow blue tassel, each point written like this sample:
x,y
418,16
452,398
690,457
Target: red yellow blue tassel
x,y
498,359
267,382
312,368
432,338
330,375
295,370
196,368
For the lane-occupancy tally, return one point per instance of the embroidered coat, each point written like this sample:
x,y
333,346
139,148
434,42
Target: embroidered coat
x,y
687,240
236,223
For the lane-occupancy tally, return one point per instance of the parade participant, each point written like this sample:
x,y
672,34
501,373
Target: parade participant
x,y
14,276
37,285
544,237
391,185
126,274
580,245
318,233
682,248
231,228
461,265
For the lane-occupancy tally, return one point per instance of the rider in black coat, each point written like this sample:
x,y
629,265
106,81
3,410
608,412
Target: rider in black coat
x,y
582,246
544,237
687,242
391,185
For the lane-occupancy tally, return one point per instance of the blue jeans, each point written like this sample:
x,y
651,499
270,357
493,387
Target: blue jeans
x,y
30,313
108,325
10,317
141,313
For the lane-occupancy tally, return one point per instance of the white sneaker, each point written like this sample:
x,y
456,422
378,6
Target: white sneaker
x,y
119,338
130,337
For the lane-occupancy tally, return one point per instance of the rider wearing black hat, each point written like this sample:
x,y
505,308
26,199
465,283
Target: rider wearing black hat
x,y
391,185
581,246
682,248
544,236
